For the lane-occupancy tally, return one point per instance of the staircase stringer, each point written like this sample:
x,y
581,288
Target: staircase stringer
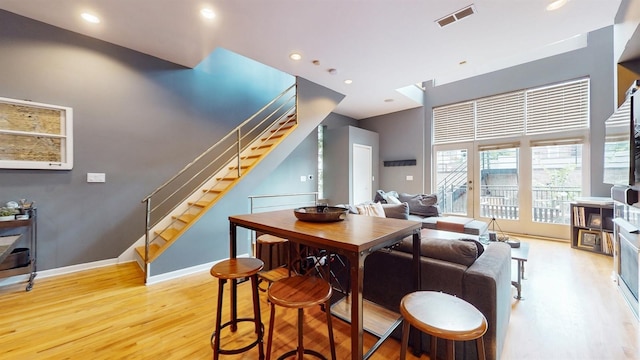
x,y
216,188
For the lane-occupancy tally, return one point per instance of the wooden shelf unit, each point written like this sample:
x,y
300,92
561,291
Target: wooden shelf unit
x,y
32,238
592,227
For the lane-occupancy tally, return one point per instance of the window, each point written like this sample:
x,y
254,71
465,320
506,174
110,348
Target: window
x,y
528,163
35,136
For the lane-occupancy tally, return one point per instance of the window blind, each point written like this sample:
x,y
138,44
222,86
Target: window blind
x,y
544,110
500,116
453,123
558,108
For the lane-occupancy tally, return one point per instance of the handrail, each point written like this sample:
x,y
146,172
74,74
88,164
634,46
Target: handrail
x,y
237,128
200,169
253,197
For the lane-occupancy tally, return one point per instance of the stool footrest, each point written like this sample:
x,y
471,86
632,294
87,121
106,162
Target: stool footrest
x,y
305,351
242,349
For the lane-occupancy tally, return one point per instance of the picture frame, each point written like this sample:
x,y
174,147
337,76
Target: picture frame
x,y
595,221
588,239
35,135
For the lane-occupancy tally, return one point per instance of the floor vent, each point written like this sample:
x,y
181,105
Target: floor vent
x,y
456,16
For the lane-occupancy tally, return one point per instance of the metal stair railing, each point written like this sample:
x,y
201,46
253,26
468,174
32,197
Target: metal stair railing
x,y
161,202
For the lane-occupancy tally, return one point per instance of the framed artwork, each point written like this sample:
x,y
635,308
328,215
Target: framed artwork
x,y
595,221
588,239
35,135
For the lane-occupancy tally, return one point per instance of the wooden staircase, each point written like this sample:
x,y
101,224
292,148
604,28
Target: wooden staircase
x,y
169,229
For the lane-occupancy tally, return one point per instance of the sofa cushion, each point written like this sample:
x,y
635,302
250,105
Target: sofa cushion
x,y
374,209
459,251
396,211
421,204
385,197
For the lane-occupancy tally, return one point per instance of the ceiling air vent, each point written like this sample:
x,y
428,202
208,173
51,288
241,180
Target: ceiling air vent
x,y
456,16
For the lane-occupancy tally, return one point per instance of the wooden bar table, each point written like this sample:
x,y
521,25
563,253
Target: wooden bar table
x,y
355,238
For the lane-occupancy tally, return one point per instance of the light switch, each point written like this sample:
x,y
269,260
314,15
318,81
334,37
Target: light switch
x,y
409,177
303,178
96,177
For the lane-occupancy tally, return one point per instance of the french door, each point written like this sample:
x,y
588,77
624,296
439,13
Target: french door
x,y
516,187
454,179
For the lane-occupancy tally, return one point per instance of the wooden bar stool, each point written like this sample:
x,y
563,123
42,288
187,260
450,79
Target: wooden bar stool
x,y
442,316
274,245
300,292
234,269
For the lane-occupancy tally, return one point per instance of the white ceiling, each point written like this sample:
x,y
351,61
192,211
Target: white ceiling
x,y
382,45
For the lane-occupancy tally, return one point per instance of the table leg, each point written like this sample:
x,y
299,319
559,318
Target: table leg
x,y
233,250
518,284
357,275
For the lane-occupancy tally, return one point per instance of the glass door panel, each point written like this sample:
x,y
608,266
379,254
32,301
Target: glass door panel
x,y
452,180
556,180
499,192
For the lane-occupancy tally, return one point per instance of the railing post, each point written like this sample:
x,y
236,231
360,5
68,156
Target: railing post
x,y
239,151
146,232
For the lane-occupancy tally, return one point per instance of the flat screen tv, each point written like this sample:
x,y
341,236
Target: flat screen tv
x,y
620,147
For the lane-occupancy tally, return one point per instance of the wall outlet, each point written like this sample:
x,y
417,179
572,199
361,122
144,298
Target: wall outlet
x,y
303,178
96,177
409,177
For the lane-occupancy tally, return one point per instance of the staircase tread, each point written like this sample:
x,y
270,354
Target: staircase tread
x,y
185,218
168,233
200,203
153,248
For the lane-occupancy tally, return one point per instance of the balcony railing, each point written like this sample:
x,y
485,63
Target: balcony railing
x,y
550,204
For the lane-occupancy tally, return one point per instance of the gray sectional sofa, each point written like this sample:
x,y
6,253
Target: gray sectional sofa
x,y
453,263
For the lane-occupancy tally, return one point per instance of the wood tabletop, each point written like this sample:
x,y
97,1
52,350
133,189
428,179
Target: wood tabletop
x,y
354,234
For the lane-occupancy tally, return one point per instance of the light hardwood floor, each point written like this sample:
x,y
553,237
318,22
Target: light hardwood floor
x,y
571,310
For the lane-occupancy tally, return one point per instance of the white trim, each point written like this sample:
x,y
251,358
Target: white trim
x,y
184,272
130,254
59,271
108,262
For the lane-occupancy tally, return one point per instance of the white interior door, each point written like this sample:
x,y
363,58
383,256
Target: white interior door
x,y
362,174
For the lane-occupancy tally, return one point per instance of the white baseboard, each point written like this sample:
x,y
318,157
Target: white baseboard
x,y
102,263
59,271
184,272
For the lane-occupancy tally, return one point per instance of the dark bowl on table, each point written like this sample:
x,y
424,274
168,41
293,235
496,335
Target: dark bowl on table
x,y
320,214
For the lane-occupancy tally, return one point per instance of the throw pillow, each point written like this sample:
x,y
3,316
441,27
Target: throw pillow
x,y
374,209
393,200
396,211
421,204
384,197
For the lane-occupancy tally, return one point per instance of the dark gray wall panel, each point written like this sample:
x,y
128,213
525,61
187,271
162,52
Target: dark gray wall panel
x,y
401,138
136,118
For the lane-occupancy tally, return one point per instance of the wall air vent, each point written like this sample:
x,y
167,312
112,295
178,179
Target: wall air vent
x,y
456,16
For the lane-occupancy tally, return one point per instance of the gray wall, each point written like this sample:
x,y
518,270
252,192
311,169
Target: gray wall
x,y
208,239
401,138
595,61
338,161
136,118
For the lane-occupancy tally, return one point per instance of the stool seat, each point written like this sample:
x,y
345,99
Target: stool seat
x,y
442,316
300,292
270,239
236,268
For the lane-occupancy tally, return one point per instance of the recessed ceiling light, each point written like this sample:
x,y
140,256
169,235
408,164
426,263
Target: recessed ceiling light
x,y
207,13
332,71
348,81
295,56
556,4
388,100
90,18
462,62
